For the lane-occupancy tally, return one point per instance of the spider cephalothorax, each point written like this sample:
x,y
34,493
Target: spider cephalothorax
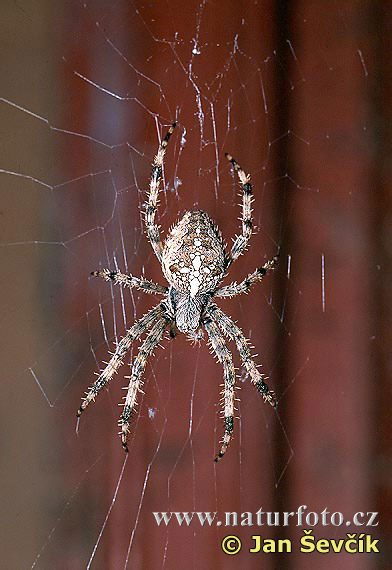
x,y
194,262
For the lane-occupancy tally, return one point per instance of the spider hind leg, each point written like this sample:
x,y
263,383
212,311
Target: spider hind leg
x,y
152,204
241,240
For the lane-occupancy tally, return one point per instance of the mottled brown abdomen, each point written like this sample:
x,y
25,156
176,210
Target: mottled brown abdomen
x,y
193,257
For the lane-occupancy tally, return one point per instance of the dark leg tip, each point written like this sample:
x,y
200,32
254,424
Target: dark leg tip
x,y
79,412
272,400
174,124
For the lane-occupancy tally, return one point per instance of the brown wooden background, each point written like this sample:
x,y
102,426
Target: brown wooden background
x,y
320,163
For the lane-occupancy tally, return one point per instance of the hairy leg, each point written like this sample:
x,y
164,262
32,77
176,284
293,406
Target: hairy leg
x,y
137,329
139,364
152,204
241,241
223,354
235,333
243,287
128,280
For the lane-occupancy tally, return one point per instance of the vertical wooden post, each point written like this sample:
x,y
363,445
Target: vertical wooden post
x,y
330,405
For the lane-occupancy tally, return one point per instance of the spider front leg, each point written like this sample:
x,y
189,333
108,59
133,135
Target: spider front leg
x,y
243,287
139,364
128,280
224,356
116,361
152,204
235,333
241,241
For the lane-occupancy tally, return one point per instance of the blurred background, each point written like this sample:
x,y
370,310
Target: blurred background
x,y
300,93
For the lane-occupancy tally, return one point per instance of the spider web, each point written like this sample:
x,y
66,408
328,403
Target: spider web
x,y
84,115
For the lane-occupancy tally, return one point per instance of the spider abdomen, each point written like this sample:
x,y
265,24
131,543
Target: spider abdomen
x,y
193,257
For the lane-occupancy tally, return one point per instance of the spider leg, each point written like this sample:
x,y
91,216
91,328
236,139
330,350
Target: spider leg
x,y
152,204
224,356
235,333
139,364
128,280
243,287
137,329
241,241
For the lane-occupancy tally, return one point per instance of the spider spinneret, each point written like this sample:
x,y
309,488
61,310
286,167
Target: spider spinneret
x,y
194,262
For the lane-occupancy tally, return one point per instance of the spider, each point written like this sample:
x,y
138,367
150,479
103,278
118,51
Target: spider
x,y
194,262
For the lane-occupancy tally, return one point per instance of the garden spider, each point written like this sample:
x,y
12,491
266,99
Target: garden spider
x,y
194,262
